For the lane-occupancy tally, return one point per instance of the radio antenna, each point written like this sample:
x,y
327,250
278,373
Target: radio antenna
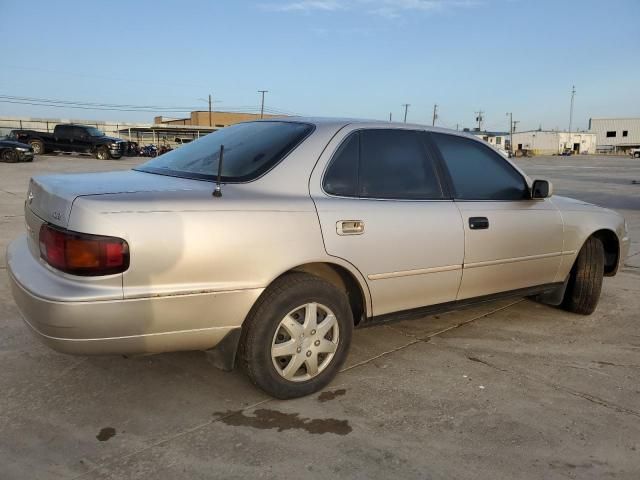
x,y
218,191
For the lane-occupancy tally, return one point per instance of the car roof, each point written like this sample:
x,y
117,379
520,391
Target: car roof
x,y
339,122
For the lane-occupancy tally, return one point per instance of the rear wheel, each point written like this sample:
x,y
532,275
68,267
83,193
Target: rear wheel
x,y
38,147
102,153
9,156
585,280
297,336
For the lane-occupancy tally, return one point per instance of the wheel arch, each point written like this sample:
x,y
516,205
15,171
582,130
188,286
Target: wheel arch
x,y
345,280
224,355
611,244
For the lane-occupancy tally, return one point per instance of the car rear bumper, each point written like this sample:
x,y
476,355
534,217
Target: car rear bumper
x,y
122,326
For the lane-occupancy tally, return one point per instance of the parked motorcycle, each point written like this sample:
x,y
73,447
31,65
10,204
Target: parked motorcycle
x,y
149,151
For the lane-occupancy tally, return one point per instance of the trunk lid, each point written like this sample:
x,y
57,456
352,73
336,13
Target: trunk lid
x,y
51,197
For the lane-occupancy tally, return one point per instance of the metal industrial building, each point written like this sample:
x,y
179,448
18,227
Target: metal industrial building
x,y
214,119
616,134
551,142
500,140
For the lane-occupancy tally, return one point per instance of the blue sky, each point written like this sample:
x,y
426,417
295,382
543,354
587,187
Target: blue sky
x,y
357,58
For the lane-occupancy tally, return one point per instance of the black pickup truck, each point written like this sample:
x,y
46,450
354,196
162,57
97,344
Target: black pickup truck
x,y
72,138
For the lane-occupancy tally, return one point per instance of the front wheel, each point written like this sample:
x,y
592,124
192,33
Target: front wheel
x,y
297,336
585,280
9,156
103,154
636,155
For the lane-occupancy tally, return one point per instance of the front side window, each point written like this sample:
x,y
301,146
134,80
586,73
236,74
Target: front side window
x,y
385,164
250,150
477,172
91,131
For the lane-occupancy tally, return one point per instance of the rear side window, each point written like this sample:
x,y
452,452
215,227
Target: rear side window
x,y
477,172
342,177
383,163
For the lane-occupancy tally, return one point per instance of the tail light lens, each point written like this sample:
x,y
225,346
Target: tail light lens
x,y
81,253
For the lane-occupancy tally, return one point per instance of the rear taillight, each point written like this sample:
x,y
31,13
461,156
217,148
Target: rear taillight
x,y
81,253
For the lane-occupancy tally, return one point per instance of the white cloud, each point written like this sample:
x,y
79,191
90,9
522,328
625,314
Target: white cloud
x,y
383,8
305,6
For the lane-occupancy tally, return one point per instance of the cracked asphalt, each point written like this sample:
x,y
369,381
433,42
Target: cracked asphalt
x,y
503,390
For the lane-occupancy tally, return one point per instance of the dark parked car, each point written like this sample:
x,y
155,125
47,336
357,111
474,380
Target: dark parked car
x,y
12,151
73,138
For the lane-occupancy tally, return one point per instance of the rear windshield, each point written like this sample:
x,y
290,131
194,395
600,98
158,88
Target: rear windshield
x,y
250,150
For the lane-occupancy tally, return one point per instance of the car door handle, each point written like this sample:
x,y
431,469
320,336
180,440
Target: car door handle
x,y
478,223
350,227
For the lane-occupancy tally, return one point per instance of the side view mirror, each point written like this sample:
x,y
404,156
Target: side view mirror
x,y
541,189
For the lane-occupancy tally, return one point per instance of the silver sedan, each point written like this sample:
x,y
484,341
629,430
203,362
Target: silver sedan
x,y
265,243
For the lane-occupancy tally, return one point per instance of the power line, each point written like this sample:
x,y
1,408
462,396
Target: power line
x,y
101,106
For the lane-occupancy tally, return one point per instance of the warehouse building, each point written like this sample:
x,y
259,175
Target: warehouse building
x,y
550,142
499,140
615,134
213,119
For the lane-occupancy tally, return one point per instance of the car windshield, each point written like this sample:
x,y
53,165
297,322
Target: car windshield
x,y
94,132
250,150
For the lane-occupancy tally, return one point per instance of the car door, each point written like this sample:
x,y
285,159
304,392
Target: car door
x,y
82,140
382,207
511,240
64,138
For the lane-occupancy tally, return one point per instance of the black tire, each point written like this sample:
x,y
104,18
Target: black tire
x,y
102,153
9,156
38,147
636,155
286,294
585,280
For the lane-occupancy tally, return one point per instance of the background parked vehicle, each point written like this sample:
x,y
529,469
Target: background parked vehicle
x,y
164,149
133,149
12,151
635,152
72,138
148,151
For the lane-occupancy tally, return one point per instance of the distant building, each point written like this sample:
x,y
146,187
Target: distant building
x,y
549,142
218,119
616,134
497,139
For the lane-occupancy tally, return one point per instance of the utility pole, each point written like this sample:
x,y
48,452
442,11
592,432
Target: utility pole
x,y
435,114
406,107
390,117
262,104
515,124
210,122
510,115
457,126
479,119
573,94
